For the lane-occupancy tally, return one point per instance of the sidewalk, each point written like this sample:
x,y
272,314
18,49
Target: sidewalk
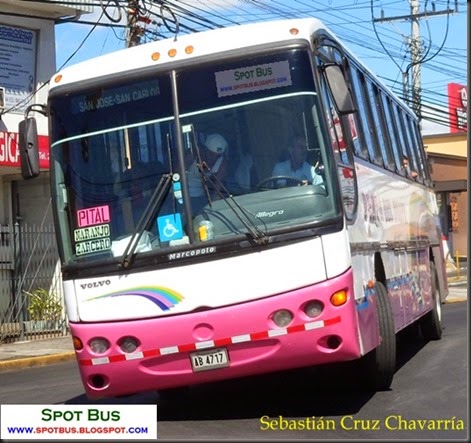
x,y
26,354
457,285
41,352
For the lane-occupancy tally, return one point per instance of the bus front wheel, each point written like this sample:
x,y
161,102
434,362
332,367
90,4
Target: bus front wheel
x,y
379,365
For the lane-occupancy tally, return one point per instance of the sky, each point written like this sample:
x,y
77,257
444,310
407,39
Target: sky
x,y
382,43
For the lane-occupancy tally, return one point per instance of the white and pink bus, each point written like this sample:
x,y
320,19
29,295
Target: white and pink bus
x,y
176,274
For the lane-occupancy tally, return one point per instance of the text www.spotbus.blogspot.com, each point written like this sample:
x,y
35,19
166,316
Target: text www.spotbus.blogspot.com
x,y
54,430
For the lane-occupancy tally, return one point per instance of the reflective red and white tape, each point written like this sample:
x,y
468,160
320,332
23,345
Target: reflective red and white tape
x,y
209,343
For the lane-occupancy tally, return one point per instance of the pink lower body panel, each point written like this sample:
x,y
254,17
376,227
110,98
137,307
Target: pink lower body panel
x,y
244,336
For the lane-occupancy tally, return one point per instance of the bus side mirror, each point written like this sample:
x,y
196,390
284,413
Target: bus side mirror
x,y
29,148
339,89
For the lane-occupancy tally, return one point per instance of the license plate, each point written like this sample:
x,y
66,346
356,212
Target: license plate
x,y
211,359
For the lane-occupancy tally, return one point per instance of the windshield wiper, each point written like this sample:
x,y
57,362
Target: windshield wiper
x,y
156,199
240,212
199,167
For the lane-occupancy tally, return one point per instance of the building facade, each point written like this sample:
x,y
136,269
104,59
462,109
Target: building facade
x,y
28,253
448,157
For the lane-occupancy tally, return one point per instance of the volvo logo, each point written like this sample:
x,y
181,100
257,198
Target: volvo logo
x,y
95,284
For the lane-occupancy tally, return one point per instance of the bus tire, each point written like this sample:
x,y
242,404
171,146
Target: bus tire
x,y
379,365
431,323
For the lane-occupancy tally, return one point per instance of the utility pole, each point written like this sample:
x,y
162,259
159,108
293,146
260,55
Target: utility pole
x,y
415,50
415,55
133,34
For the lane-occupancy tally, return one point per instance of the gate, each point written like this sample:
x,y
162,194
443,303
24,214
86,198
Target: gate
x,y
31,294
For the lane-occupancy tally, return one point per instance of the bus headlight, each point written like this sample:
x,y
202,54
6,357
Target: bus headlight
x,y
313,308
128,344
282,318
99,345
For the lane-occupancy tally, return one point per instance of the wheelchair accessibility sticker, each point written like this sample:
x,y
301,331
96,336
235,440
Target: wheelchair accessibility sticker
x,y
170,227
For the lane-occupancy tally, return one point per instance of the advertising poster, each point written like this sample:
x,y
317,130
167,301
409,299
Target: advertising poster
x,y
17,67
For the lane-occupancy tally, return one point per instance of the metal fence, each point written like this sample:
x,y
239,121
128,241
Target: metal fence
x,y
31,294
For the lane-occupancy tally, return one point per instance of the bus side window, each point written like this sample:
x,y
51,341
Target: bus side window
x,y
400,132
422,170
376,113
391,130
410,145
358,84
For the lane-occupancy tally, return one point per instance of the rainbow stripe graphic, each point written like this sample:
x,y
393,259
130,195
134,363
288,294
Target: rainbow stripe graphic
x,y
164,298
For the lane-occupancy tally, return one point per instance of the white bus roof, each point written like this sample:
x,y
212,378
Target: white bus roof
x,y
203,43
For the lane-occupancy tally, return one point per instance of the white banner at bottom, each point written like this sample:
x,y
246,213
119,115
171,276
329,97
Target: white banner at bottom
x,y
78,422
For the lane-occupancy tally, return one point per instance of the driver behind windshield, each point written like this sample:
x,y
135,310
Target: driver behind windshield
x,y
296,166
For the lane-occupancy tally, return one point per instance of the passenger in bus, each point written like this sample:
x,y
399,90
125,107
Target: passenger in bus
x,y
297,166
214,164
406,166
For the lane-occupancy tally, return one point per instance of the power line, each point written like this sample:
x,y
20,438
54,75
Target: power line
x,y
416,51
198,15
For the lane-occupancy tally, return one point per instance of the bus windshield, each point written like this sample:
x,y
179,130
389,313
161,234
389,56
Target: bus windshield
x,y
244,163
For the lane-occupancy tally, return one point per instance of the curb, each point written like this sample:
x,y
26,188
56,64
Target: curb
x,y
455,300
29,362
455,284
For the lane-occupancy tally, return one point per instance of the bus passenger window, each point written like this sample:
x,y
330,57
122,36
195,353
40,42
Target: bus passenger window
x,y
406,166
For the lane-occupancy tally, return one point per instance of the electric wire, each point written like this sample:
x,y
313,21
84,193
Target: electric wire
x,y
195,16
